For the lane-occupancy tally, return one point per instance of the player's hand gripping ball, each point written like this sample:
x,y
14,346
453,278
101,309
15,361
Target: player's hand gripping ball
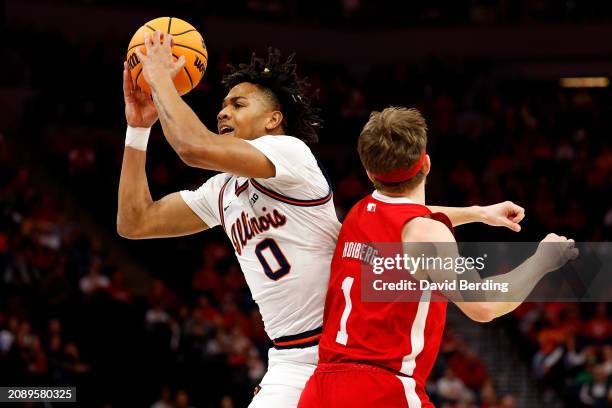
x,y
187,42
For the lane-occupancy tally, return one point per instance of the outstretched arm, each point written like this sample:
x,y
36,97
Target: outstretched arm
x,y
552,253
506,214
195,144
138,216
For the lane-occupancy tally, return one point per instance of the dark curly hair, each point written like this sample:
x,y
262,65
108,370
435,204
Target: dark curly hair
x,y
280,81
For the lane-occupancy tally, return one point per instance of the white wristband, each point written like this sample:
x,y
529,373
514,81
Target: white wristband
x,y
137,138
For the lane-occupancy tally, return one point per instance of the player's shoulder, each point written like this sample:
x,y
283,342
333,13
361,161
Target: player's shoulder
x,y
428,228
281,140
284,149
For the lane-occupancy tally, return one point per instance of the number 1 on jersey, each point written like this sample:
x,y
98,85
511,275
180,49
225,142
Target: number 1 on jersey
x,y
342,336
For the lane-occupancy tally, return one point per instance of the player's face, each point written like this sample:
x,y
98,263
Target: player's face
x,y
247,113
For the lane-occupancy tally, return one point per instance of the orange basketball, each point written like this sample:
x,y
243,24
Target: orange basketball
x,y
187,42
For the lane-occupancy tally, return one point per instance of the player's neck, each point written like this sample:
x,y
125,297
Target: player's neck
x,y
417,194
277,131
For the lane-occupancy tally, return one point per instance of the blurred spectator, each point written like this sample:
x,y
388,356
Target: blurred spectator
x,y
450,388
72,362
507,401
468,368
156,317
182,400
488,396
165,400
118,290
161,295
599,328
598,392
227,402
94,281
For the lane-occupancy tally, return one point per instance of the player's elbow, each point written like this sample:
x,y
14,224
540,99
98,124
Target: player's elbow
x,y
481,312
129,230
125,232
483,317
193,156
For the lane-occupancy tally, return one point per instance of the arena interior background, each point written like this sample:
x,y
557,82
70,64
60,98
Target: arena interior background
x,y
171,322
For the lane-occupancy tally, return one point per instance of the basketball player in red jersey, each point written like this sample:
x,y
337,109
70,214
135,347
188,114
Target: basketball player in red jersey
x,y
379,354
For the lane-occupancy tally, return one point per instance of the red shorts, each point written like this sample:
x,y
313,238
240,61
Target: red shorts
x,y
360,386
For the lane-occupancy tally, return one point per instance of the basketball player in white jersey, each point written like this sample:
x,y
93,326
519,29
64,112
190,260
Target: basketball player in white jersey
x,y
272,199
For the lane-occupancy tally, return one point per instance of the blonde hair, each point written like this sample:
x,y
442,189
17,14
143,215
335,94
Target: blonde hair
x,y
393,138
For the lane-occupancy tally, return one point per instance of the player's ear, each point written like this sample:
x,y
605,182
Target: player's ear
x,y
275,119
427,165
370,176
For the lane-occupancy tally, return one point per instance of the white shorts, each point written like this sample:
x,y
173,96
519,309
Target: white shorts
x,y
288,371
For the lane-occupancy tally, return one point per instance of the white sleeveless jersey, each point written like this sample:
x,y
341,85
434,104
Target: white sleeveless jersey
x,y
283,229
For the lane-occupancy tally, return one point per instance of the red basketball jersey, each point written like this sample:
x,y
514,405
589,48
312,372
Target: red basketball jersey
x,y
402,337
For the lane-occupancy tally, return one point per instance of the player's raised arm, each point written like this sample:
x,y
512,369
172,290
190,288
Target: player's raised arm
x,y
505,214
552,253
196,145
138,216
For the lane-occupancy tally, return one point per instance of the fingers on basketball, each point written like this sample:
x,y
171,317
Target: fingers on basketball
x,y
185,41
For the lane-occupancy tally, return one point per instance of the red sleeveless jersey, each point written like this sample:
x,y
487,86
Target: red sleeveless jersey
x,y
402,337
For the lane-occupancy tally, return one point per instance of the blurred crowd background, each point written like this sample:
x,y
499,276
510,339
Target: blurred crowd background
x,y
171,323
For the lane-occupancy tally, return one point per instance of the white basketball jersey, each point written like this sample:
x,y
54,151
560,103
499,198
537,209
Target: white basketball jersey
x,y
283,229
